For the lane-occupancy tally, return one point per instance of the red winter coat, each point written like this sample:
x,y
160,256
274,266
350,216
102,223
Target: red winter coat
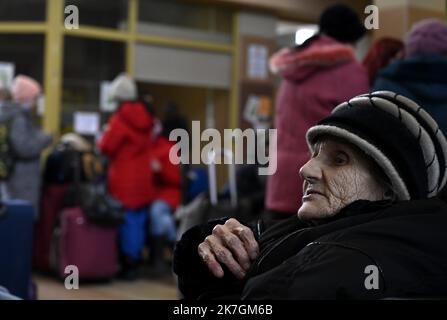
x,y
315,79
168,180
128,144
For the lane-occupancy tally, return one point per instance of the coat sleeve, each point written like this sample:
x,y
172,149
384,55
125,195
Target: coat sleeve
x,y
27,141
113,138
322,272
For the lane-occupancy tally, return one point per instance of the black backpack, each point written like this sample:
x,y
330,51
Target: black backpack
x,y
58,166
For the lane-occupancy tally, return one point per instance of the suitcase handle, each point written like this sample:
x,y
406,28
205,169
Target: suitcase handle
x,y
212,153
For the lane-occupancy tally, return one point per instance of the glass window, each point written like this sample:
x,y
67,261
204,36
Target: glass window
x,y
289,34
26,52
179,19
87,63
23,10
101,13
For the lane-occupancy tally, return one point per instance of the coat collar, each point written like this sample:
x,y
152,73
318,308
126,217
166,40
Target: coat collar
x,y
322,53
422,68
353,209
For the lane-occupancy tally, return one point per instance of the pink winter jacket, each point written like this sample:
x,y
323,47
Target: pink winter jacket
x,y
315,80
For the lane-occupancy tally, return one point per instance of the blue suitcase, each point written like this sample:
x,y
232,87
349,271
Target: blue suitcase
x,y
16,238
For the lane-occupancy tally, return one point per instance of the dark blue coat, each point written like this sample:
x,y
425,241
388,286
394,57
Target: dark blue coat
x,y
421,78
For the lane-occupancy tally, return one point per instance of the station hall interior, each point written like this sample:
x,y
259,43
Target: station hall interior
x,y
207,59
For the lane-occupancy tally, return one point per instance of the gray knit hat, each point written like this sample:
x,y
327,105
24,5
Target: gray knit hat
x,y
123,88
400,136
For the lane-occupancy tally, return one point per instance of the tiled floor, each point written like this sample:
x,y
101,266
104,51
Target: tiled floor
x,y
50,288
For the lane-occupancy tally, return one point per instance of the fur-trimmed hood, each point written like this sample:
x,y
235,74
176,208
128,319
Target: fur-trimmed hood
x,y
299,63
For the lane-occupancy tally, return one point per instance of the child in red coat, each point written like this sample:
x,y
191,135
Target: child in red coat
x,y
128,143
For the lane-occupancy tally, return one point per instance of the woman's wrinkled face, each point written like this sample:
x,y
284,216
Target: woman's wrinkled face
x,y
336,175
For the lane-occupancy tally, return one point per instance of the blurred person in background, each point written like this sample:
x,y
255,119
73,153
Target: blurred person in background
x,y
174,119
421,74
380,55
168,182
316,76
6,111
27,142
127,142
5,95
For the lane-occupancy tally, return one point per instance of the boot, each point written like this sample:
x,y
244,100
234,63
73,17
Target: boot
x,y
158,267
129,269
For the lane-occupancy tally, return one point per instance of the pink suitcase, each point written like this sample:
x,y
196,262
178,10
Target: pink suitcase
x,y
91,248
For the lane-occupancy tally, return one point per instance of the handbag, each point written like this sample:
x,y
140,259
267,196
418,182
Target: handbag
x,y
99,206
92,196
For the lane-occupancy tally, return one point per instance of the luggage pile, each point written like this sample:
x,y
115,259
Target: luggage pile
x,y
79,219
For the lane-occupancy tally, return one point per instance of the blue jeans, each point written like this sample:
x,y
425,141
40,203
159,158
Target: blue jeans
x,y
161,221
133,233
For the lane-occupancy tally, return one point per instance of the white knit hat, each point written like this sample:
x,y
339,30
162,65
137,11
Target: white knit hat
x,y
123,88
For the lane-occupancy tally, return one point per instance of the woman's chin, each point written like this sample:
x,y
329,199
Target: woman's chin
x,y
311,209
308,211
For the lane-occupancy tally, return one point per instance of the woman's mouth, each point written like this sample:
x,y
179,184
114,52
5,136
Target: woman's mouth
x,y
312,193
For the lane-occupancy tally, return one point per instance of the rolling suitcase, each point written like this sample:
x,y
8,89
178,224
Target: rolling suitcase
x,y
91,248
16,238
59,175
53,201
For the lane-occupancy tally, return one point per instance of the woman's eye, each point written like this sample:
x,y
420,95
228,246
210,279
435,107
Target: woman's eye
x,y
341,159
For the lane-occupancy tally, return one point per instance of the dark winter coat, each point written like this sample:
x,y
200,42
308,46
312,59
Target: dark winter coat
x,y
421,78
405,243
27,142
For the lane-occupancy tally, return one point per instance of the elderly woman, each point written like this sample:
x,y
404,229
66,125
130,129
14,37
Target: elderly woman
x,y
369,226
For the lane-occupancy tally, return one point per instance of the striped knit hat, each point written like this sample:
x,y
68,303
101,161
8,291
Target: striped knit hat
x,y
400,136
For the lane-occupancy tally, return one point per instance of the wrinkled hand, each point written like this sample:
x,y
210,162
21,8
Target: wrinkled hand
x,y
231,244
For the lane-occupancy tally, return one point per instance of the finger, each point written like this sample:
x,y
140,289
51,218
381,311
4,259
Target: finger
x,y
209,259
249,241
223,255
246,235
232,223
234,244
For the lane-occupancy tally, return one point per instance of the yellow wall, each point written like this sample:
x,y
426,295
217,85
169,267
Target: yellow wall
x,y
397,16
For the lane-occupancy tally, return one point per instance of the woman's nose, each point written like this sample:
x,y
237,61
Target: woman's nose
x,y
311,170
